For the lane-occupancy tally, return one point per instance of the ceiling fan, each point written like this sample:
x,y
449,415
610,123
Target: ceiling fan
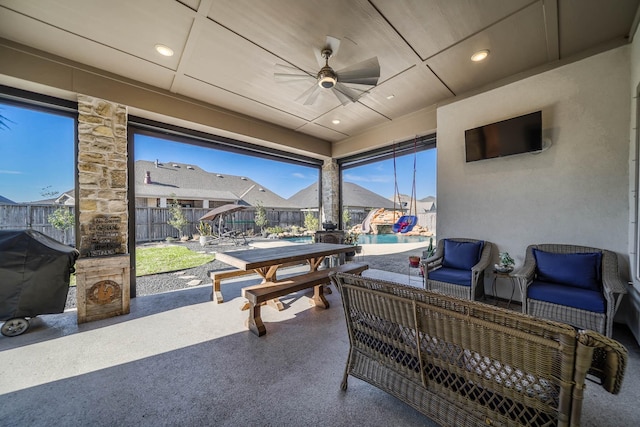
x,y
359,77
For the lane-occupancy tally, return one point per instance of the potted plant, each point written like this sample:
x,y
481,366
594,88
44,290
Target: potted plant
x,y
351,238
206,230
414,261
506,263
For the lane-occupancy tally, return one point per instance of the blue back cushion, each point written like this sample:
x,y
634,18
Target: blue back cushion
x,y
461,255
582,270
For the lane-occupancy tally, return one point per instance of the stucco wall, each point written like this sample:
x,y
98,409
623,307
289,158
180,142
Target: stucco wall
x,y
574,192
631,305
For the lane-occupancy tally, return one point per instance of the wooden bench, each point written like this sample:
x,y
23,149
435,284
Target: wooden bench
x,y
260,294
217,276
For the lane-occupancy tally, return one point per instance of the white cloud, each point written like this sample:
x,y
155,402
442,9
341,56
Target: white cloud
x,y
368,178
5,172
298,175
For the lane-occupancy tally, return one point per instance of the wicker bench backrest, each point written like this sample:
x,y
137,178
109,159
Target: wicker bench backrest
x,y
462,362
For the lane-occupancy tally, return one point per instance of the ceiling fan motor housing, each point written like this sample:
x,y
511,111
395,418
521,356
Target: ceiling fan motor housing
x,y
327,78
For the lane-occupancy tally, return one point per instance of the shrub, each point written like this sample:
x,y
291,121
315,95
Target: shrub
x,y
274,230
346,218
310,221
261,217
177,219
62,219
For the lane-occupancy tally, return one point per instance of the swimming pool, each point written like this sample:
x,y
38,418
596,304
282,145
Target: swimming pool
x,y
372,239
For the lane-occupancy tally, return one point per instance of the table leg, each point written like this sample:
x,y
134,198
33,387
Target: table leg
x,y
254,322
314,263
268,274
493,289
513,290
318,297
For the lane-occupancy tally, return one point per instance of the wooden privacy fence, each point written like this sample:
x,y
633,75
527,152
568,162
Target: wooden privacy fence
x,y
35,217
151,223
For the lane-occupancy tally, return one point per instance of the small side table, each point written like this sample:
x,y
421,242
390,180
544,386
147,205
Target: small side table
x,y
504,275
415,265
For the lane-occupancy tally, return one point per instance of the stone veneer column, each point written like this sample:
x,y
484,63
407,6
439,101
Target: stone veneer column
x,y
330,194
102,272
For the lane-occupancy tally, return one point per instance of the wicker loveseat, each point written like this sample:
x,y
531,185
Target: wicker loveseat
x,y
465,363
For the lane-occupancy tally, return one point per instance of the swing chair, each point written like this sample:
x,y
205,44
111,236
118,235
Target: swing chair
x,y
406,222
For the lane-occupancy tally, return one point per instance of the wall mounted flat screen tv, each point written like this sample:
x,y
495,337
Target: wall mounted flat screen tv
x,y
521,134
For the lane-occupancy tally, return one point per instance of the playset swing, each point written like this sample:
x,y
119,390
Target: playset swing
x,y
406,222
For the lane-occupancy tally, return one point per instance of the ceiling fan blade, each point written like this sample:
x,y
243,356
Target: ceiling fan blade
x,y
365,73
331,43
351,93
284,73
344,99
314,95
282,77
310,94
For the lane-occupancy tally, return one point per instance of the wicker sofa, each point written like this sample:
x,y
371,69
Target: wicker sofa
x,y
465,363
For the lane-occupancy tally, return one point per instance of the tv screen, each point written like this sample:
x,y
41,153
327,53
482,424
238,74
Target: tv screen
x,y
521,134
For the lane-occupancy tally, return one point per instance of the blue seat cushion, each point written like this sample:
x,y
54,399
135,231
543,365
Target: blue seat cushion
x,y
451,275
461,255
582,270
570,296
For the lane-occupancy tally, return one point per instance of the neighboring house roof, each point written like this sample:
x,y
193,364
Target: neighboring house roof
x,y
6,201
66,198
427,204
354,196
185,181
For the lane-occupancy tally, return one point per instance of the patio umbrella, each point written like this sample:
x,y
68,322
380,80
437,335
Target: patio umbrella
x,y
220,211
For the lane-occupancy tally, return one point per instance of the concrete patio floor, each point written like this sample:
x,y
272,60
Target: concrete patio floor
x,y
180,359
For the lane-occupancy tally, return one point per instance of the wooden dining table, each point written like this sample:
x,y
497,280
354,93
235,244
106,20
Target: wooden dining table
x,y
266,261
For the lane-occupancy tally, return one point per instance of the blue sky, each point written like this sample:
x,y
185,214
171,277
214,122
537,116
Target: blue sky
x,y
37,153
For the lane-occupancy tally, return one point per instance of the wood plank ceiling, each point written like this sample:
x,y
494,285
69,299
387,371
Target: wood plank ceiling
x,y
226,51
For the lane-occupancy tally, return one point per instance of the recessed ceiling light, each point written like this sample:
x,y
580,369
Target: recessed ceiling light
x,y
391,96
164,50
480,55
335,121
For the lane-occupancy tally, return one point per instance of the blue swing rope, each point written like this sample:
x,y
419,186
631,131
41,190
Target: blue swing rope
x,y
413,204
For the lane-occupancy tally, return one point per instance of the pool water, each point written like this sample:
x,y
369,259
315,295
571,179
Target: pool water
x,y
390,238
369,239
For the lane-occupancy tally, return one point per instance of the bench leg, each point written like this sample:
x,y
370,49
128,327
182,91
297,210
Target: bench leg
x,y
318,297
216,296
276,304
254,322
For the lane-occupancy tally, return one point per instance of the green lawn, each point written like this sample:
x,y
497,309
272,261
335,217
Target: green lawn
x,y
168,258
164,259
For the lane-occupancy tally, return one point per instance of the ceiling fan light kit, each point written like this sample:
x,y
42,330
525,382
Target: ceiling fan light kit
x,y
327,78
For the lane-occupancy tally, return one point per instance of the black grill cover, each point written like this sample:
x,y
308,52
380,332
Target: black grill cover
x,y
34,273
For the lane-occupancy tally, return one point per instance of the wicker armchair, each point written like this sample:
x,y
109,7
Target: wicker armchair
x,y
609,290
440,277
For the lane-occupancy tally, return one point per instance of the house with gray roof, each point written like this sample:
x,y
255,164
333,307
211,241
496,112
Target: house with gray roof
x,y
355,198
5,201
424,205
158,183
